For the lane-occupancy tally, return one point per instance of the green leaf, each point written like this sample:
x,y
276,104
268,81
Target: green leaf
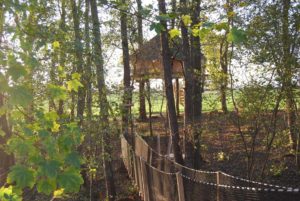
x,y
20,95
55,127
43,133
61,72
51,116
70,180
196,32
50,168
27,131
231,14
203,32
46,186
3,83
73,159
50,145
186,19
76,76
208,24
164,17
21,147
157,27
236,35
174,33
65,142
73,85
2,133
221,26
55,44
7,194
15,70
57,92
23,176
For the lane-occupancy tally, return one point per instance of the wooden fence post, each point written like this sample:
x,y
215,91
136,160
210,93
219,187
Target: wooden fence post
x,y
218,188
135,173
142,178
180,187
145,181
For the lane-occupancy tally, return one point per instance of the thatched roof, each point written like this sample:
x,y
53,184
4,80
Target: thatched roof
x,y
147,60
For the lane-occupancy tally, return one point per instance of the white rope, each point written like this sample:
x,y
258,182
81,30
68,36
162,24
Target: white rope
x,y
254,182
291,190
276,189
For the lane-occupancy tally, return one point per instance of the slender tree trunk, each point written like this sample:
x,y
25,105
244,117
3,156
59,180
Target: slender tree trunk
x,y
224,58
103,104
142,100
127,88
189,85
188,71
196,58
89,95
6,159
88,77
177,96
79,62
173,5
224,68
52,105
290,106
167,64
62,52
142,109
149,106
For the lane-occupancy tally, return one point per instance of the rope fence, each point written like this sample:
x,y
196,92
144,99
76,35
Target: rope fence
x,y
159,178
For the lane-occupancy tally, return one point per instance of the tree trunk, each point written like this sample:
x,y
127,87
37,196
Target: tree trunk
x,y
127,88
6,159
188,71
79,61
173,5
177,96
196,58
89,95
167,64
224,46
149,106
142,109
103,104
290,106
62,52
189,85
224,69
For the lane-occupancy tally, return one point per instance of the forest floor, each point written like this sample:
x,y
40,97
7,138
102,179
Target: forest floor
x,y
223,149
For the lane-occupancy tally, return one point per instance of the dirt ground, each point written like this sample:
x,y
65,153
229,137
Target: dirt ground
x,y
223,149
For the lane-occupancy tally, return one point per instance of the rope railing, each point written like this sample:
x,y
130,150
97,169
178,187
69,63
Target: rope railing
x,y
153,172
210,172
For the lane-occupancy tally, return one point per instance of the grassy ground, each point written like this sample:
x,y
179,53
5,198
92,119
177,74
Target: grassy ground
x,y
211,102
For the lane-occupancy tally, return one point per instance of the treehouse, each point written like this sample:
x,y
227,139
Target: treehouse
x,y
147,64
147,60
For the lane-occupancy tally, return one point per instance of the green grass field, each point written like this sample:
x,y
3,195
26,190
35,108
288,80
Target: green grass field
x,y
211,102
